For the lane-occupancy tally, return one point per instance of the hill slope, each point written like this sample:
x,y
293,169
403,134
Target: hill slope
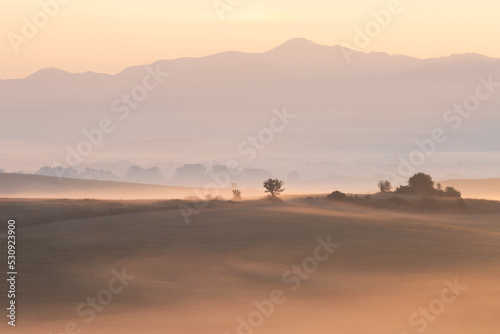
x,y
38,186
200,278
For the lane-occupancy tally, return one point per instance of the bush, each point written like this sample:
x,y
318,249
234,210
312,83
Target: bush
x,y
337,196
461,205
193,198
271,198
397,202
404,190
236,195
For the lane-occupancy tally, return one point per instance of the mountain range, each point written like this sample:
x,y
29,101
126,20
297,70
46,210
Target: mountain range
x,y
353,118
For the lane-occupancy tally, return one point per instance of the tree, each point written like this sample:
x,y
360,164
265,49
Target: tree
x,y
138,174
274,187
452,192
421,183
384,186
59,171
236,195
439,187
404,190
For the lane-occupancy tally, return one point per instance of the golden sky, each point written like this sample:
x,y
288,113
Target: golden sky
x,y
110,35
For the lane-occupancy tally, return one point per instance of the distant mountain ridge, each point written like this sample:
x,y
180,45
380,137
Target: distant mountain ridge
x,y
222,99
291,46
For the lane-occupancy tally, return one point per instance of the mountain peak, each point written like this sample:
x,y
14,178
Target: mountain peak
x,y
47,72
297,44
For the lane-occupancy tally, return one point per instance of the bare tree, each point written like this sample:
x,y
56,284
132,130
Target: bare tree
x,y
384,186
236,195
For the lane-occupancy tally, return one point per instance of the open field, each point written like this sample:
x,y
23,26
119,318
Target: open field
x,y
201,277
250,167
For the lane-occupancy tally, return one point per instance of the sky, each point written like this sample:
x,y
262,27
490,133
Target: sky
x,y
110,35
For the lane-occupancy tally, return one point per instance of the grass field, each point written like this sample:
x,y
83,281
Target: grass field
x,y
204,276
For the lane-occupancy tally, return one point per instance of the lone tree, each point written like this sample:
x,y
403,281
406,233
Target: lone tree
x,y
384,186
421,183
274,187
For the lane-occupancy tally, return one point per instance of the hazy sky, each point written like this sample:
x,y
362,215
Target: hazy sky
x,y
109,35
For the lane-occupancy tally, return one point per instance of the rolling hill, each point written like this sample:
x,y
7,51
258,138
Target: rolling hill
x,y
385,268
37,186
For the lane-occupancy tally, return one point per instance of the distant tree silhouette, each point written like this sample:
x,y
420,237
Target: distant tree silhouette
x,y
140,175
274,187
59,171
69,172
452,192
421,183
191,175
384,186
99,174
236,195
